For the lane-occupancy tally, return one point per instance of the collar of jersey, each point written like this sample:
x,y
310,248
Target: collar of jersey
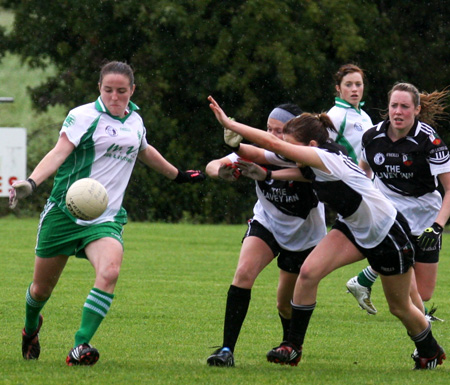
x,y
102,108
411,133
344,104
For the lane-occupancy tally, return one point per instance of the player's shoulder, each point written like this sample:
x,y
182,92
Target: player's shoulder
x,y
81,115
332,147
377,131
88,108
427,139
336,112
425,131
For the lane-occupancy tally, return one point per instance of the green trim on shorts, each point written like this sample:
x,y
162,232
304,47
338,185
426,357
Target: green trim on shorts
x,y
59,235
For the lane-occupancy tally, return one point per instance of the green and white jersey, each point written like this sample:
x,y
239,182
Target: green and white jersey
x,y
106,148
351,125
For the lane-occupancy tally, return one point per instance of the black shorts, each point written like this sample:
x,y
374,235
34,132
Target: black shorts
x,y
394,255
289,261
431,255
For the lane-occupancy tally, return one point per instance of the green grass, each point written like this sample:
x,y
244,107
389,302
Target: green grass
x,y
168,314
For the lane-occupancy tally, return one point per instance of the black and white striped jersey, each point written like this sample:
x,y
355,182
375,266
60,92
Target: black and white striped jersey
x,y
346,189
288,209
406,170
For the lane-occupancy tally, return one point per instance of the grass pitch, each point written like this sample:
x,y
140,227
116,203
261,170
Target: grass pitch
x,y
168,315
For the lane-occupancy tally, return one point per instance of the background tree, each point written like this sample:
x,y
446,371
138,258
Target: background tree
x,y
251,55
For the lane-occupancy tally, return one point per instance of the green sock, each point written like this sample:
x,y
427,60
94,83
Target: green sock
x,y
367,277
95,308
32,310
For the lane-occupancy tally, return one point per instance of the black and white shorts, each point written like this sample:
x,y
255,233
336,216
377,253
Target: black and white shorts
x,y
289,261
394,255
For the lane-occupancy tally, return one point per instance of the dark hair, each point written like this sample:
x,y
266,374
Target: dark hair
x,y
117,67
292,108
345,70
307,127
432,105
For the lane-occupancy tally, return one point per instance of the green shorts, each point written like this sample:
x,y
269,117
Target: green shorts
x,y
59,235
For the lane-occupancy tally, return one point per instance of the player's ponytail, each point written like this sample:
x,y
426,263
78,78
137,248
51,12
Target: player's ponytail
x,y
308,127
433,107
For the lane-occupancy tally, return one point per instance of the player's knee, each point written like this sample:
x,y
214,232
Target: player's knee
x,y
285,309
40,292
308,274
110,274
244,278
398,310
426,294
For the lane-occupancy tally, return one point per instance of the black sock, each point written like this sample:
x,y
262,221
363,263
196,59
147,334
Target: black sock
x,y
238,301
286,324
301,314
425,343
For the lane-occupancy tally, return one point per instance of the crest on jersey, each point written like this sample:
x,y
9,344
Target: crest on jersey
x,y
358,126
111,131
379,158
435,139
407,160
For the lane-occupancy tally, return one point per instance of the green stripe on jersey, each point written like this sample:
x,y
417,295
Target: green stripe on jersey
x,y
77,165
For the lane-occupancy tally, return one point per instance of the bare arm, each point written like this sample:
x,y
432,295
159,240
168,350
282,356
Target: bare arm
x,y
46,167
153,159
224,169
53,160
444,212
255,154
366,168
212,168
300,154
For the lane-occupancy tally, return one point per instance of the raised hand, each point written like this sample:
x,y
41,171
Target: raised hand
x,y
218,112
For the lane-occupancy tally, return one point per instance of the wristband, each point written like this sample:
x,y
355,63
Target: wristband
x,y
181,177
33,184
269,175
437,227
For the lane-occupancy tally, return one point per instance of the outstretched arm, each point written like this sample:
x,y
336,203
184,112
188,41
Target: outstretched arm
x,y
54,158
153,159
46,167
253,171
222,168
250,152
300,154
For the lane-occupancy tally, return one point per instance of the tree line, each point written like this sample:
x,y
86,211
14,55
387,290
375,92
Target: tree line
x,y
250,55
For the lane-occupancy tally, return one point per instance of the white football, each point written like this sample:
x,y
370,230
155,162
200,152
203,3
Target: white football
x,y
86,199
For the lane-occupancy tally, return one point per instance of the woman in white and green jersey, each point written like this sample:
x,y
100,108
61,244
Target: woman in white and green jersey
x,y
100,140
347,116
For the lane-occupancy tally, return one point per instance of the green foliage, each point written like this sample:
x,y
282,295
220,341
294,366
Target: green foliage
x,y
251,55
169,308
